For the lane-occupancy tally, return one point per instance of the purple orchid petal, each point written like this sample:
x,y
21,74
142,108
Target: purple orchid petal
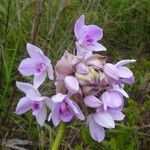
x,y
72,84
65,114
94,33
97,132
120,90
27,67
71,105
74,108
112,98
58,98
125,72
24,87
41,117
78,26
54,115
23,105
36,107
80,114
34,52
111,71
38,80
124,62
128,80
92,101
116,114
104,119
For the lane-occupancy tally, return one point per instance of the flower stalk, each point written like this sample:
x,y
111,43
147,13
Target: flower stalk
x,y
59,136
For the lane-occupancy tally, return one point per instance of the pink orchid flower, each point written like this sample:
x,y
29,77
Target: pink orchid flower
x,y
38,65
63,109
87,37
32,101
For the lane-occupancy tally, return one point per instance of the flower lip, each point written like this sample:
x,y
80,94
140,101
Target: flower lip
x,y
36,106
40,67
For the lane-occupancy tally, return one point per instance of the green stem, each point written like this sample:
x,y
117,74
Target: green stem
x,y
59,136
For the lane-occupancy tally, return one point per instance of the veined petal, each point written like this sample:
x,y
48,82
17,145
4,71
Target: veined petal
x,y
92,101
23,105
125,72
71,84
41,117
27,67
104,119
124,62
38,80
111,70
97,132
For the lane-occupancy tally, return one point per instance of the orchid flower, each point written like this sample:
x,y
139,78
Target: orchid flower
x,y
63,109
119,72
101,119
84,77
87,37
32,101
38,65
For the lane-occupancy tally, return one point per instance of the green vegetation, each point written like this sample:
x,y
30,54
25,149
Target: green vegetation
x,y
49,25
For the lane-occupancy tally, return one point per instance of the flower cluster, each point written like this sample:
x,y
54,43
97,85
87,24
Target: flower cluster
x,y
84,79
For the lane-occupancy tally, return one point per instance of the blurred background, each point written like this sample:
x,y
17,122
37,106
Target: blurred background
x,y
49,25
